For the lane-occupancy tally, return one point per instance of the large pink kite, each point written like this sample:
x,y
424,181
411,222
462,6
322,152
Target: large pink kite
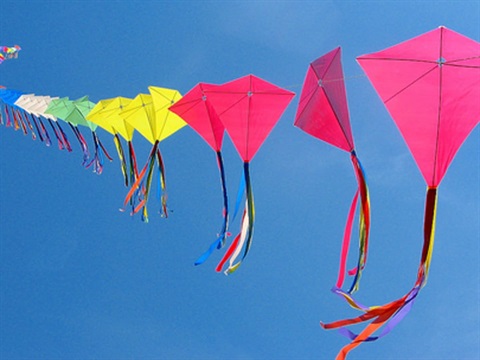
x,y
249,108
431,88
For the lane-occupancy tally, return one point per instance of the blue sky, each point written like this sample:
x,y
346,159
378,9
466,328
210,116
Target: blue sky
x,y
81,280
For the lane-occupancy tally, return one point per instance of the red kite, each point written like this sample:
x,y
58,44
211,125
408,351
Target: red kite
x,y
431,88
323,113
249,108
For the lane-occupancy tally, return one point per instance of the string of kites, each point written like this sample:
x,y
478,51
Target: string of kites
x,y
430,85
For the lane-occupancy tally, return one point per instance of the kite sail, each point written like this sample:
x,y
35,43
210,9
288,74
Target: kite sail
x,y
249,108
149,115
197,111
430,86
323,113
9,52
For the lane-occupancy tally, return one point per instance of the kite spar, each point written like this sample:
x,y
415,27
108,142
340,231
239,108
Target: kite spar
x,y
430,86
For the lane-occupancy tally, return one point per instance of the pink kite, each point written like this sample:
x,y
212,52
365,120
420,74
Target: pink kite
x,y
431,88
323,113
249,108
197,111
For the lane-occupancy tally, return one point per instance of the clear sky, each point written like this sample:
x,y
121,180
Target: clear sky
x,y
81,280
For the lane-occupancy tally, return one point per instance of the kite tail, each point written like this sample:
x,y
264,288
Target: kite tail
x,y
65,141
18,121
134,176
364,222
392,313
43,130
244,238
428,233
9,119
2,110
141,187
222,236
97,160
162,183
83,143
121,156
16,126
23,122
59,137
364,229
29,124
346,242
133,163
224,230
105,152
148,184
32,117
133,169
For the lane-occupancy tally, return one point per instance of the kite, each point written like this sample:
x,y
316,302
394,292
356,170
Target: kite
x,y
249,108
83,106
323,113
73,112
9,52
430,85
106,115
8,97
198,112
34,107
61,108
149,115
15,115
